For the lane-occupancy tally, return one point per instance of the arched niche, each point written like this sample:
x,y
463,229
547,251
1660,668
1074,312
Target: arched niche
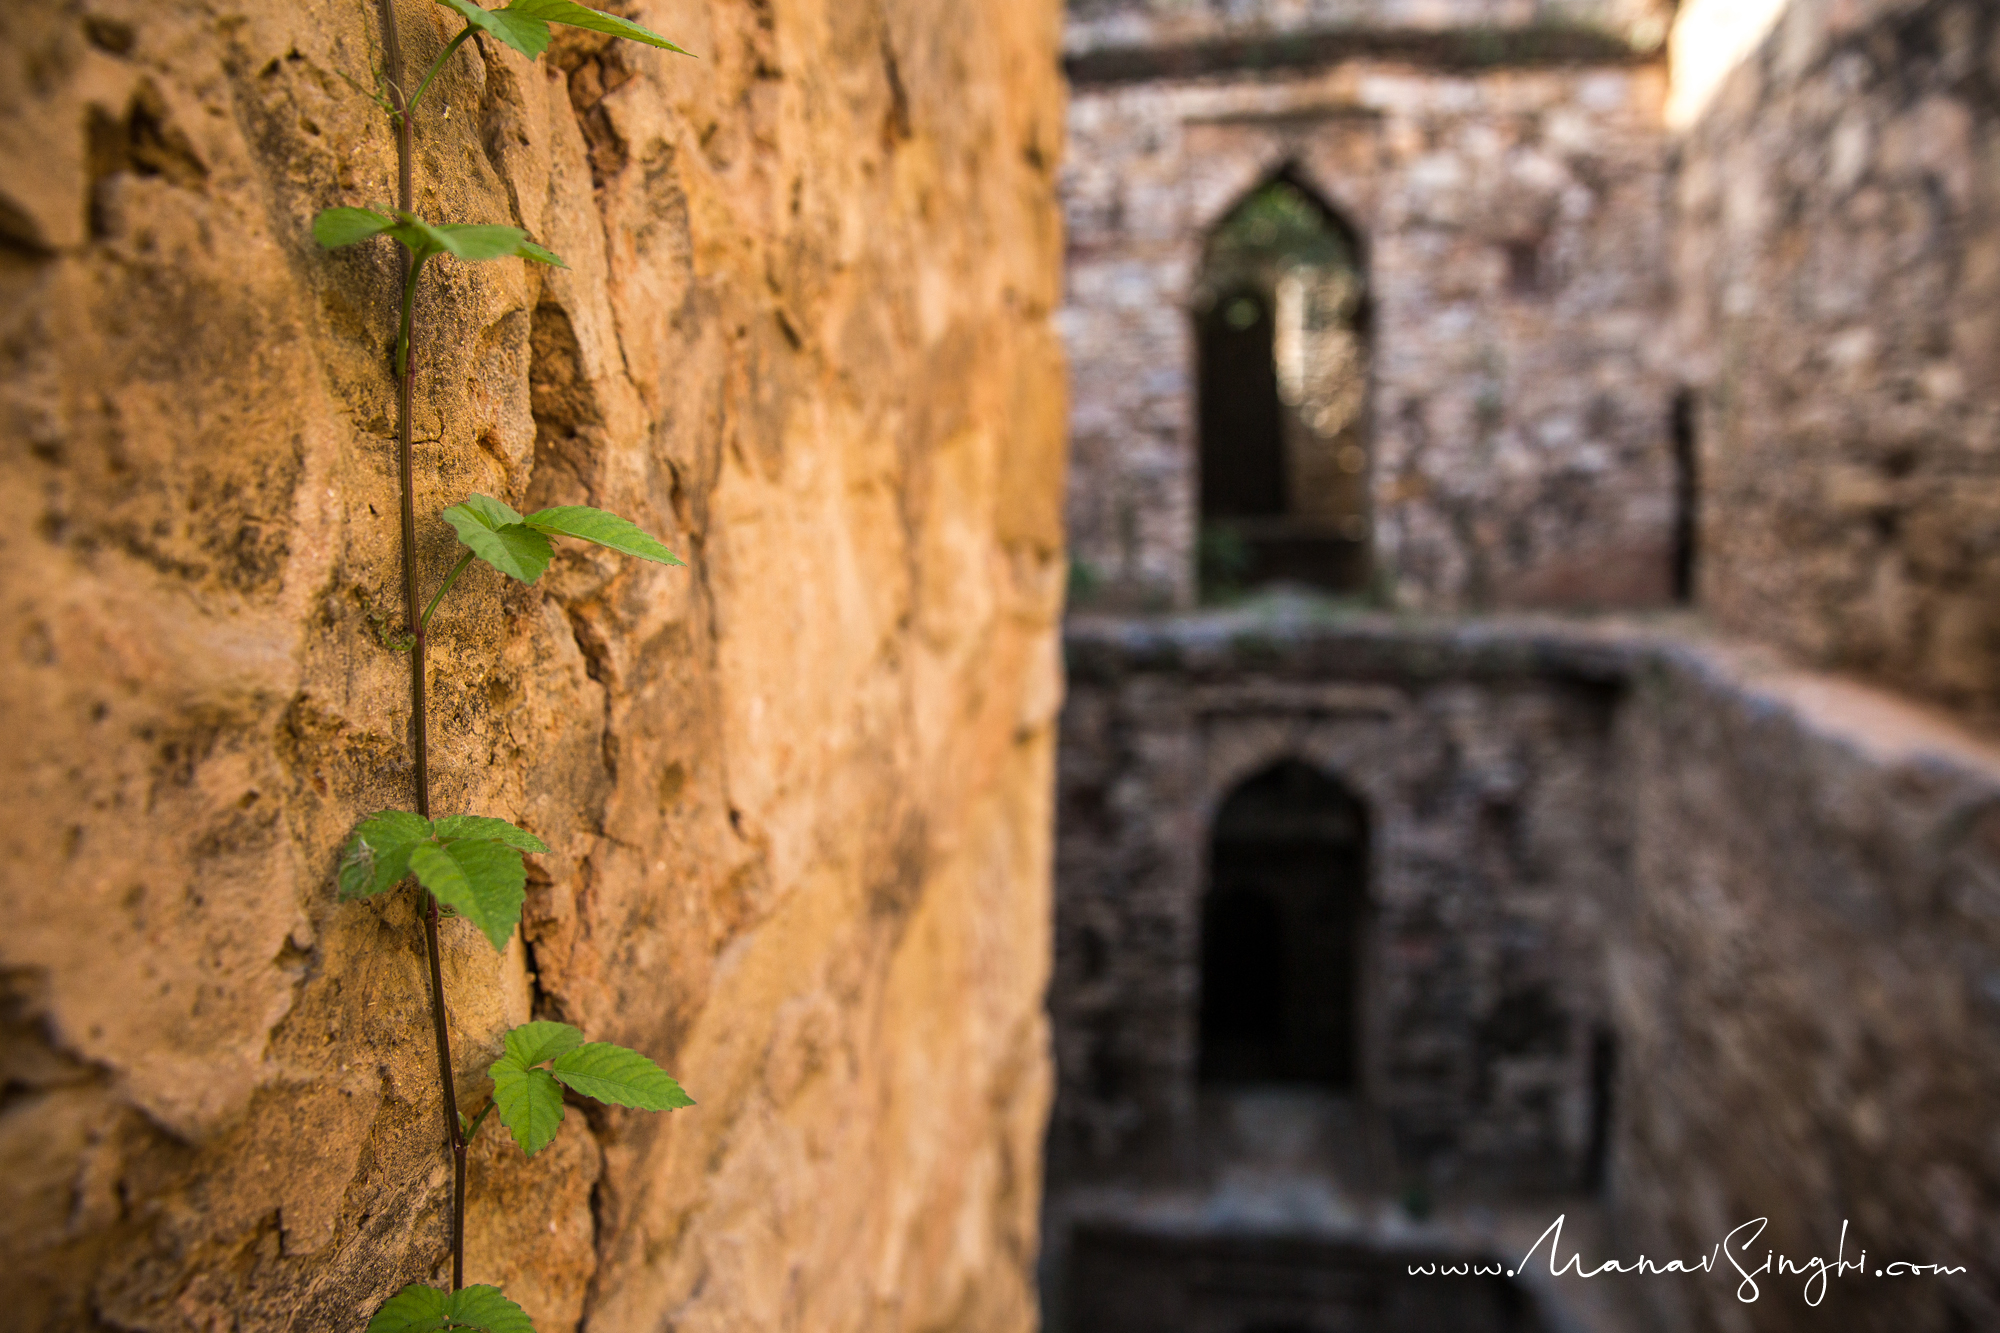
x,y
1283,921
1281,317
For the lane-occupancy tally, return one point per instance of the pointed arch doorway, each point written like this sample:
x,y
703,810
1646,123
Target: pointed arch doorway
x,y
1281,314
1283,923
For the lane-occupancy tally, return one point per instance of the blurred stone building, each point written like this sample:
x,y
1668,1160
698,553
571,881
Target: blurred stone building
x,y
1534,652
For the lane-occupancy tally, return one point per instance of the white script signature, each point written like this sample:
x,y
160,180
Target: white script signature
x,y
1737,1249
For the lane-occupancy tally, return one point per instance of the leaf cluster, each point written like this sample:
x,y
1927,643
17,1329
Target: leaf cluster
x,y
524,24
519,547
469,863
529,1097
469,241
422,1309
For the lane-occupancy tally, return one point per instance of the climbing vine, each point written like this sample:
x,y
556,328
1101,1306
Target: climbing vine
x,y
472,866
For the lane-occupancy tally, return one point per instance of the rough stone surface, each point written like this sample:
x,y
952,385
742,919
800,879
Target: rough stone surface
x,y
797,793
1775,891
1766,895
1518,429
1491,838
1837,252
1805,971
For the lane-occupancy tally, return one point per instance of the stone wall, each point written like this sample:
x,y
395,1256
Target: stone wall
x,y
1776,893
1837,252
1513,227
1493,840
797,793
1805,972
1096,25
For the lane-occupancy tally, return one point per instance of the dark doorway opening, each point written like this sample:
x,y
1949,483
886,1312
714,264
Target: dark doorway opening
x,y
1687,495
1242,428
1603,1082
1281,314
1282,930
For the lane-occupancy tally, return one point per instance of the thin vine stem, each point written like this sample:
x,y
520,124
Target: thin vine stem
x,y
413,269
449,579
437,65
472,1130
420,731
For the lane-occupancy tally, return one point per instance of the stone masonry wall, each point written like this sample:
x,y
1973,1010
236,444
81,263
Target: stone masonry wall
x,y
1777,891
1837,252
797,793
1512,220
1493,840
1099,24
1805,973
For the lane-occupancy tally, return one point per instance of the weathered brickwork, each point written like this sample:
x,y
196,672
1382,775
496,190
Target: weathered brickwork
x,y
1837,254
1518,424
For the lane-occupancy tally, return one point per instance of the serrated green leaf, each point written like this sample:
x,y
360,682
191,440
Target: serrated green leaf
x,y
524,32
483,881
495,533
493,513
530,1104
344,226
621,1077
606,529
486,1309
378,855
421,1309
453,827
579,16
473,242
533,1043
414,1309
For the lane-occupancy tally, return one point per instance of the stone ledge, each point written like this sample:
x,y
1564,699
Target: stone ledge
x,y
1447,49
1285,653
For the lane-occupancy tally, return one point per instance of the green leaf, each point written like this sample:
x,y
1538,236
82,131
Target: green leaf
x,y
524,24
532,1043
472,242
455,827
483,881
529,250
496,534
485,1309
414,1309
524,32
530,1103
620,1076
421,1309
344,226
595,525
378,855
578,16
493,513
476,242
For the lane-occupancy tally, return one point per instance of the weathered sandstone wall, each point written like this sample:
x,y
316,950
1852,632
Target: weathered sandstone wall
x,y
798,792
1837,239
